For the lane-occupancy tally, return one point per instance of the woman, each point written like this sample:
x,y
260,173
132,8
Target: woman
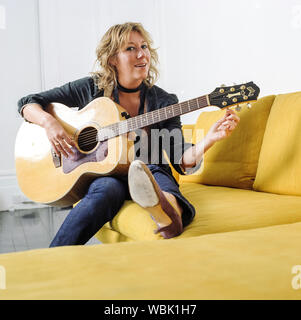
x,y
127,74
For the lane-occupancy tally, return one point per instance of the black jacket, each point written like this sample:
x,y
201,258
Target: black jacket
x,y
80,92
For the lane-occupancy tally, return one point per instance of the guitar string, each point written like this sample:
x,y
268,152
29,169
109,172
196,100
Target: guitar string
x,y
180,104
88,138
141,118
91,138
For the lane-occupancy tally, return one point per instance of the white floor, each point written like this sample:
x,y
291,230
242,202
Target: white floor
x,y
31,228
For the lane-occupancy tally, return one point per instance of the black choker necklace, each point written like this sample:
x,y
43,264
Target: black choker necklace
x,y
121,88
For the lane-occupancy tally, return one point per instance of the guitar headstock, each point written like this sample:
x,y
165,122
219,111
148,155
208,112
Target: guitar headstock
x,y
224,97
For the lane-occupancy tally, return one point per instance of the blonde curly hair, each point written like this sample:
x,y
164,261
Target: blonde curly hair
x,y
105,75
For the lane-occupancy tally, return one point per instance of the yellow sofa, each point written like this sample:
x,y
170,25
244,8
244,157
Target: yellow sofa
x,y
244,242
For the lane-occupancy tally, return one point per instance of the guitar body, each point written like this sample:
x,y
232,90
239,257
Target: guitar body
x,y
103,143
45,178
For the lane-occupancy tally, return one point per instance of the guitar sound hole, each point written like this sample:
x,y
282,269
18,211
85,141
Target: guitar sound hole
x,y
87,139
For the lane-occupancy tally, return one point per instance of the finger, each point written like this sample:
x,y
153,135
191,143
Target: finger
x,y
221,119
217,124
54,146
227,122
61,149
232,114
222,127
66,147
69,140
232,125
233,117
229,111
227,125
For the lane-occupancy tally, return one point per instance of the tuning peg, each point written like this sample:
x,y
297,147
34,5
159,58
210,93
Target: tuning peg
x,y
238,108
249,105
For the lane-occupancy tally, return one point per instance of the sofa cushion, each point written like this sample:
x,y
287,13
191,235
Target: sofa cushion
x,y
131,223
219,209
232,162
279,169
248,264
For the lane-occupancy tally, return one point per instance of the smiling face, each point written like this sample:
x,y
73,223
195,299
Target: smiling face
x,y
132,62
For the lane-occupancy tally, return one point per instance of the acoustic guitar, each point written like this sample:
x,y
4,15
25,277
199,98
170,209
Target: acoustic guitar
x,y
101,133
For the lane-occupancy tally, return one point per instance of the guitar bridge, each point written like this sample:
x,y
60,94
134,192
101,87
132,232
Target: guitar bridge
x,y
56,159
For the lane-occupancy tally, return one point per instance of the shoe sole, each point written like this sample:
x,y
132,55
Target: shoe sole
x,y
142,183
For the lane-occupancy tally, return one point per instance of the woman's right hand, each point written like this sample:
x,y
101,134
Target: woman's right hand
x,y
59,138
223,128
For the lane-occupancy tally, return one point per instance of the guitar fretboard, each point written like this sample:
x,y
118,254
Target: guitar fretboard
x,y
152,117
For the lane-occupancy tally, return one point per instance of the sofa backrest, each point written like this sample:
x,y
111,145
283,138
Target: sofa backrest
x,y
233,161
279,167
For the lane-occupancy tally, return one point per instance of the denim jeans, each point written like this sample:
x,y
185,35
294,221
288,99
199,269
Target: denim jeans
x,y
103,200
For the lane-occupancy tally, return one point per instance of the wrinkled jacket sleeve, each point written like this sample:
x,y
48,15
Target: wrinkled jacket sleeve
x,y
178,145
73,94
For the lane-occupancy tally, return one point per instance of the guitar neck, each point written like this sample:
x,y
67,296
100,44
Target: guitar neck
x,y
152,117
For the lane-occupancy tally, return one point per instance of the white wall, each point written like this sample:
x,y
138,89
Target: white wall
x,y
19,74
202,44
71,30
214,42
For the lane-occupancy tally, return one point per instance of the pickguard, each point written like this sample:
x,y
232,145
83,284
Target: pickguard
x,y
78,158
